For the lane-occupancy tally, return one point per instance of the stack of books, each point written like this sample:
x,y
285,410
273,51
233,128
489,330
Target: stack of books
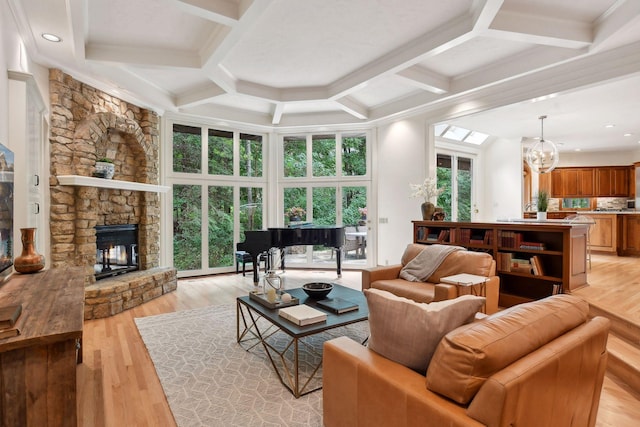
x,y
8,317
302,315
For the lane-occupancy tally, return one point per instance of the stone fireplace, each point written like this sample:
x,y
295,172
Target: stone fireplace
x,y
87,125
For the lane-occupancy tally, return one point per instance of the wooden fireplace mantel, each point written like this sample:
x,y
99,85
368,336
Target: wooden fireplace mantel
x,y
88,181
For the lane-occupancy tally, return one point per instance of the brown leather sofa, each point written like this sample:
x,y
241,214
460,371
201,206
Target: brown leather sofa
x,y
535,364
388,278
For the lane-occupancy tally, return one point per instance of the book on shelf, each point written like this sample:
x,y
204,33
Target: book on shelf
x,y
8,333
536,246
443,236
337,305
536,265
9,314
504,261
520,265
302,314
557,289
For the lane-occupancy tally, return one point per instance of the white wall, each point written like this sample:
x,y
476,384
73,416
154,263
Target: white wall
x,y
501,182
600,158
13,128
401,160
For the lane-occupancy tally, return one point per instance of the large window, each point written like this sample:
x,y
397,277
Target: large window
x,y
214,205
455,174
326,176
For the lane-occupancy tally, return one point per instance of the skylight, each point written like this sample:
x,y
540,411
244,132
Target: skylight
x,y
460,134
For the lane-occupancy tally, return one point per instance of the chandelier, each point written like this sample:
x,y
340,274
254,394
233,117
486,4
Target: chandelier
x,y
543,156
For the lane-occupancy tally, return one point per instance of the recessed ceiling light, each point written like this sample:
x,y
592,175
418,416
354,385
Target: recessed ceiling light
x,y
578,149
609,126
51,37
628,134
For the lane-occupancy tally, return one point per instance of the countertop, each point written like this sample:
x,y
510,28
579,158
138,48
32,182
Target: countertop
x,y
620,212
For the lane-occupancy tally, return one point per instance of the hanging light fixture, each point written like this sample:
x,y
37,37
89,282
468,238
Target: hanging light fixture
x,y
543,156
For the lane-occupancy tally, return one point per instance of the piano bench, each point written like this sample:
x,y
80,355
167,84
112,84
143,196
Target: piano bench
x,y
244,257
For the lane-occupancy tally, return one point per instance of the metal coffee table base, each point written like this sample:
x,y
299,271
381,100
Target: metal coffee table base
x,y
250,332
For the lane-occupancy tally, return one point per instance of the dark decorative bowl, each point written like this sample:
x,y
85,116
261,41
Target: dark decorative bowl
x,y
317,290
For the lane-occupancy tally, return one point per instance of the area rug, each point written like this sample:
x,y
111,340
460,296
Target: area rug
x,y
210,380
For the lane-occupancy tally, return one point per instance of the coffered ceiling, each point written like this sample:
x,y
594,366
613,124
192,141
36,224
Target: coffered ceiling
x,y
292,63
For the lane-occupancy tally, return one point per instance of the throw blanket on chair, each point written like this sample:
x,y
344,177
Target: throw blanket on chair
x,y
420,268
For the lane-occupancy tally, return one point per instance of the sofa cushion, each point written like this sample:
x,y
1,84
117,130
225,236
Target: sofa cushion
x,y
417,291
469,355
407,332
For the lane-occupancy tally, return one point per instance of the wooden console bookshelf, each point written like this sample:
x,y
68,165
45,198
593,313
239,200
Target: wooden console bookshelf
x,y
38,367
558,250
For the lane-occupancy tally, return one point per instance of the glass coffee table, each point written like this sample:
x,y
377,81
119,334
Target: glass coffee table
x,y
290,346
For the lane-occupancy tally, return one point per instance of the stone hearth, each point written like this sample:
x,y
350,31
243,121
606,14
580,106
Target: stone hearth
x,y
87,125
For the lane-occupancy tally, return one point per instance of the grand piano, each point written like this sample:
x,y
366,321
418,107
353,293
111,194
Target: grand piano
x,y
258,242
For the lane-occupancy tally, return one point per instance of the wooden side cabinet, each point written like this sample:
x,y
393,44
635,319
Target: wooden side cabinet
x,y
38,367
561,250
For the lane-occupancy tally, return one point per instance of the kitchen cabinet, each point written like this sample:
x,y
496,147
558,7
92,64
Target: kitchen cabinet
x,y
556,183
612,181
630,232
603,235
578,182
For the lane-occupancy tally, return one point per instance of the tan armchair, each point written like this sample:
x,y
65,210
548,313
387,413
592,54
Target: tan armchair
x,y
388,278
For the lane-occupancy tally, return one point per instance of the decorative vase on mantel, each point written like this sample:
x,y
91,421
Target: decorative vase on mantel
x,y
105,169
428,209
29,260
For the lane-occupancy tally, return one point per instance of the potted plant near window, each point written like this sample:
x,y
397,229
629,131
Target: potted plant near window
x,y
105,168
295,214
543,204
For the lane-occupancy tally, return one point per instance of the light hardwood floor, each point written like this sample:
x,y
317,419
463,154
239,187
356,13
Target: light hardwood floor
x,y
118,386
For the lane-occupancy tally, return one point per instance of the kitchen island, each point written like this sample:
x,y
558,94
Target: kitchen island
x,y
612,231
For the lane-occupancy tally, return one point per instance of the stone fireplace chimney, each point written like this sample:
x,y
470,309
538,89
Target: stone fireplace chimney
x,y
86,125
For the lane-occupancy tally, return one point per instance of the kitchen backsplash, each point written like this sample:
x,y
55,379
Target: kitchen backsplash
x,y
602,203
611,203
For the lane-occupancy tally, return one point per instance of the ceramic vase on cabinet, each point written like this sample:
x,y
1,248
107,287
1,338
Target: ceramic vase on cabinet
x,y
428,209
29,260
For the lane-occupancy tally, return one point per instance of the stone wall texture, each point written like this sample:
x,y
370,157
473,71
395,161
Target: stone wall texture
x,y
86,125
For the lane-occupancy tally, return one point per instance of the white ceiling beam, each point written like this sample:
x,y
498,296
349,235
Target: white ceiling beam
x,y
277,113
353,107
425,79
145,56
527,62
484,12
541,30
430,44
219,45
220,11
79,22
621,16
199,95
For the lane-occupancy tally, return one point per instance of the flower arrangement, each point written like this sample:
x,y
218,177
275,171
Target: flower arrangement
x,y
428,190
295,211
363,211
